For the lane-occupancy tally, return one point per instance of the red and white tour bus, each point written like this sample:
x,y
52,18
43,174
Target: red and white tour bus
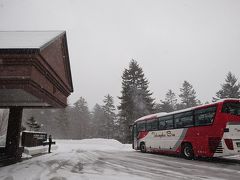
x,y
211,130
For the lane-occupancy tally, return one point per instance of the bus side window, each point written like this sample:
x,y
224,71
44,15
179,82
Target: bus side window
x,y
178,123
231,108
149,126
165,122
205,116
161,125
154,125
169,124
183,120
141,126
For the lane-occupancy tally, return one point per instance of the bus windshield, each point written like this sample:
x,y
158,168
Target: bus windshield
x,y
231,108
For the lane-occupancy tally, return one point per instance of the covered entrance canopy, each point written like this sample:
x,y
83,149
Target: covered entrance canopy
x,y
34,72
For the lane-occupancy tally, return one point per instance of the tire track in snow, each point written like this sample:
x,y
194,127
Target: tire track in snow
x,y
153,171
169,166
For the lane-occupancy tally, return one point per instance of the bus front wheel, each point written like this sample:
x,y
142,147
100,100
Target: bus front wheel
x,y
187,151
143,147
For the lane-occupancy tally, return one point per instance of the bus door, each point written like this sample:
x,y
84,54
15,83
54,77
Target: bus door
x,y
135,134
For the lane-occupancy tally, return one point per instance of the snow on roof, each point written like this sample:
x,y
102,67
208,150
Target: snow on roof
x,y
151,116
35,132
27,39
227,99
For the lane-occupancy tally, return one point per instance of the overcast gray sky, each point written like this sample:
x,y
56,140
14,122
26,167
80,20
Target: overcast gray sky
x,y
173,41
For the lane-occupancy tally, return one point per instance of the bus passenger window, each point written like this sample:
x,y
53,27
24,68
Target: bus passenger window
x,y
155,125
231,108
169,124
178,123
149,126
184,120
205,116
166,122
161,125
141,126
187,121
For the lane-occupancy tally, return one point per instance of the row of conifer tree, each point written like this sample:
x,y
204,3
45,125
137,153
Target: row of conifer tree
x,y
106,120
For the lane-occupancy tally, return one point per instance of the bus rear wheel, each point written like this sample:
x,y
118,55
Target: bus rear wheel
x,y
187,151
143,147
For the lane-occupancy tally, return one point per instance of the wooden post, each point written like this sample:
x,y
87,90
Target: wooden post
x,y
13,133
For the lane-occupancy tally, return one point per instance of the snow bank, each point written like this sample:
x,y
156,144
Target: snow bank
x,y
38,149
93,145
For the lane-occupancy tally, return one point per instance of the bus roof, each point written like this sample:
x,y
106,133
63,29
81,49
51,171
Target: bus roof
x,y
153,116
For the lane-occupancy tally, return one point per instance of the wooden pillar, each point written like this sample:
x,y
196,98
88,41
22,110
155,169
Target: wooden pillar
x,y
13,133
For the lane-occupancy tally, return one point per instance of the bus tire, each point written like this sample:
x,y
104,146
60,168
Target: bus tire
x,y
187,151
143,147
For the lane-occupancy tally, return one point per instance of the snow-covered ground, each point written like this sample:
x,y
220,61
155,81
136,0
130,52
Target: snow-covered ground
x,y
102,159
73,160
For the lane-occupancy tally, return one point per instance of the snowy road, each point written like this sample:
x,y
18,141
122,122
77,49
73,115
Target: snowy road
x,y
109,160
153,166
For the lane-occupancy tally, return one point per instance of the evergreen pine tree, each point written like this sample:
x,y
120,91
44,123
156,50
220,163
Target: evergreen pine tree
x,y
98,122
110,115
169,104
136,99
61,122
33,124
54,121
81,118
230,89
187,96
157,108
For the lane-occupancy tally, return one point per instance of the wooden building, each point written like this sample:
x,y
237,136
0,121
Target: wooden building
x,y
34,72
34,69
